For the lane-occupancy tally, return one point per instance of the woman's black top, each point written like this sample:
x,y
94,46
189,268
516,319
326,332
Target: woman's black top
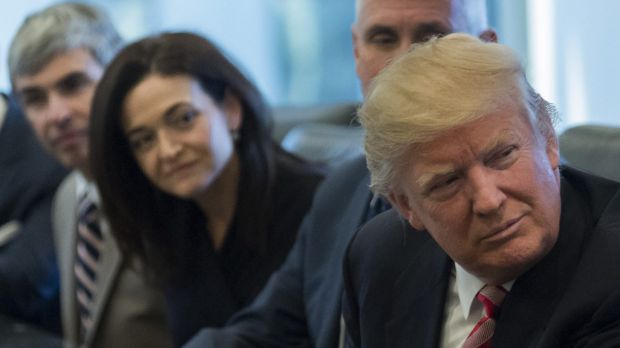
x,y
217,284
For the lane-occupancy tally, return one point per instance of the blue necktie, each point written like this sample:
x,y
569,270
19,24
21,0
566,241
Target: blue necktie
x,y
89,244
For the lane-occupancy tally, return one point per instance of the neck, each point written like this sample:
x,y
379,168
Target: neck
x,y
219,201
85,170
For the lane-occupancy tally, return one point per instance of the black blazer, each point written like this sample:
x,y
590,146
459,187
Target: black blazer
x,y
28,179
300,305
396,280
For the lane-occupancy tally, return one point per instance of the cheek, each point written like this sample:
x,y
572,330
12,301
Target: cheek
x,y
148,165
219,139
448,222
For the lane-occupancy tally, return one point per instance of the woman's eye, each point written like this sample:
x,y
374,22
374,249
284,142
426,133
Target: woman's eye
x,y
142,142
183,119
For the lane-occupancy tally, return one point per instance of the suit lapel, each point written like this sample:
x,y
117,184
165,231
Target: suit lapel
x,y
420,292
111,261
352,219
65,220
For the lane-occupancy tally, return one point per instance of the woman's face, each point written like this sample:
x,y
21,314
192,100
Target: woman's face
x,y
179,136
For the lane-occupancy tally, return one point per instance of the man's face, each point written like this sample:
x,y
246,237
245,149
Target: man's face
x,y
386,28
488,192
56,101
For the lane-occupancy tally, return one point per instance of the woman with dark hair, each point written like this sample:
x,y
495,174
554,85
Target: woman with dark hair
x,y
190,180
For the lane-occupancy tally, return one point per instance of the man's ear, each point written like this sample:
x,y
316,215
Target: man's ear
x,y
233,110
553,151
401,203
356,51
488,35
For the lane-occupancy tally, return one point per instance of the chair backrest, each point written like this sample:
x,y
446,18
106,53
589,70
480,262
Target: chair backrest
x,y
287,117
327,143
592,148
324,133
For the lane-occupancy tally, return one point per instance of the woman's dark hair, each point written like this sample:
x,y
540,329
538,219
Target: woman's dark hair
x,y
157,227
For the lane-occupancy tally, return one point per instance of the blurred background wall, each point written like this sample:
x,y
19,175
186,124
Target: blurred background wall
x,y
299,51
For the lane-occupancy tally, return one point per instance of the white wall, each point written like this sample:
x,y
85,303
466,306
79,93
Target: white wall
x,y
573,53
13,13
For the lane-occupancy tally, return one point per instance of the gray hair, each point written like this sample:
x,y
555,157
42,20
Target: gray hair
x,y
469,16
437,86
60,28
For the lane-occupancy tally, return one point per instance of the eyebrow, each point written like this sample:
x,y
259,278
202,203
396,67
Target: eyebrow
x,y
77,74
74,75
505,136
426,30
169,111
437,171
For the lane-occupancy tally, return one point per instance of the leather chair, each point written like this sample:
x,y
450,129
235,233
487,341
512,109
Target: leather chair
x,y
592,148
327,133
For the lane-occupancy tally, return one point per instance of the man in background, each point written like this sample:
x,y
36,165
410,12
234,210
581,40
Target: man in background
x,y
55,61
301,303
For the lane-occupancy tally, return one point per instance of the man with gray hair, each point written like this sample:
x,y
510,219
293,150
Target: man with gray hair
x,y
492,242
55,61
300,305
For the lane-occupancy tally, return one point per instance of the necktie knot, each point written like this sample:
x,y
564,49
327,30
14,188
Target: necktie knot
x,y
491,297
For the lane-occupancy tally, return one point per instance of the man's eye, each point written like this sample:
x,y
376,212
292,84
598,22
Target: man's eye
x,y
504,158
444,183
73,84
383,39
34,100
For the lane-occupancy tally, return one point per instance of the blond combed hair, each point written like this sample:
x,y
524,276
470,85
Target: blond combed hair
x,y
437,86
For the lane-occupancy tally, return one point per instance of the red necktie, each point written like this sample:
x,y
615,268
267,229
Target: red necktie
x,y
491,298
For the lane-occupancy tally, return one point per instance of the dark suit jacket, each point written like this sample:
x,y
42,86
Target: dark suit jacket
x,y
28,179
396,280
300,305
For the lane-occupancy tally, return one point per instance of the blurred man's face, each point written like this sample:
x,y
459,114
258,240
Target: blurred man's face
x,y
488,192
386,28
56,101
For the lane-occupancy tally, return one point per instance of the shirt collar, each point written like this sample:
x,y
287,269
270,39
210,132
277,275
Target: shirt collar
x,y
468,285
85,187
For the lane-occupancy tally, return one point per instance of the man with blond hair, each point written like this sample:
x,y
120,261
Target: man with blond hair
x,y
492,242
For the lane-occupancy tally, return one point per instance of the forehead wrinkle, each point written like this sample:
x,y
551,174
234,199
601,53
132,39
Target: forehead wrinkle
x,y
437,170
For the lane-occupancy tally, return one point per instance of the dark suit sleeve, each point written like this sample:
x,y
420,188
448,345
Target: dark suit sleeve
x,y
29,284
603,330
276,317
350,310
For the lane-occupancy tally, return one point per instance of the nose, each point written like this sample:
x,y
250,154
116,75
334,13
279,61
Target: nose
x,y
487,197
59,110
402,48
167,146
